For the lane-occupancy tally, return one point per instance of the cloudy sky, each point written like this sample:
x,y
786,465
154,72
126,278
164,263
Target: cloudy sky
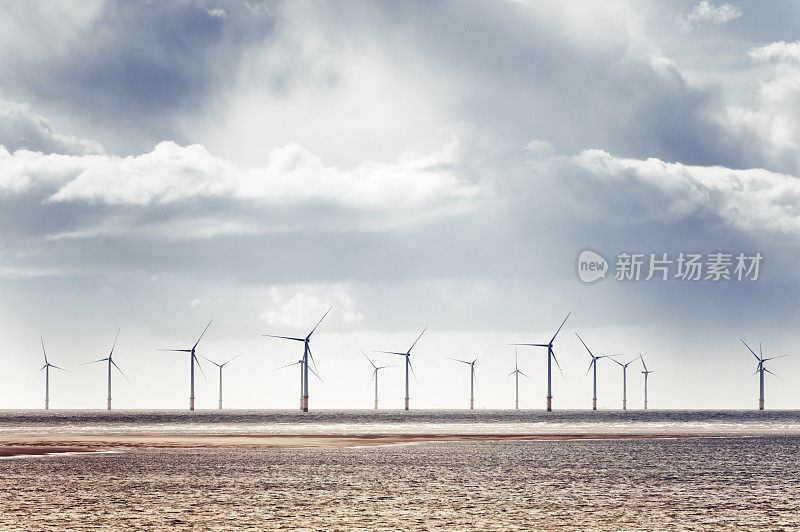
x,y
436,164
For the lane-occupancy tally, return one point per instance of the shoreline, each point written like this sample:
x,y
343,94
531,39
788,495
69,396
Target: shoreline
x,y
38,444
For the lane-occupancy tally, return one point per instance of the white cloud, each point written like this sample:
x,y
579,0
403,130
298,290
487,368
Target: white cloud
x,y
304,306
708,12
22,128
217,12
752,200
780,50
414,189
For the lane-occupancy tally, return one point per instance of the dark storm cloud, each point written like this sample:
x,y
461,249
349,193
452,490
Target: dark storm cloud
x,y
137,66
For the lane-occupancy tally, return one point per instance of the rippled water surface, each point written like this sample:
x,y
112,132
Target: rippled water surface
x,y
397,422
746,481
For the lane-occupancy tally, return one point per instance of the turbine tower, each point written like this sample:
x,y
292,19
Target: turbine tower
x,y
375,375
304,362
625,381
220,366
472,379
646,372
550,357
593,365
192,359
111,362
299,362
517,372
760,369
46,368
407,354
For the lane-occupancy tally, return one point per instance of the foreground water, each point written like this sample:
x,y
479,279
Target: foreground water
x,y
749,479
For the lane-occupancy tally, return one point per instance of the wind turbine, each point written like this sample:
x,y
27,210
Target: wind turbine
x,y
375,375
407,354
46,368
220,366
760,369
550,357
517,372
472,379
646,372
304,362
625,381
593,365
111,362
192,359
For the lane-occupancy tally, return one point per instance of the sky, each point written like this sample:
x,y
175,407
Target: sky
x,y
416,164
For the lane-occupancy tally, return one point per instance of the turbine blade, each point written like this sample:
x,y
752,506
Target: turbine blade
x,y
231,360
176,350
114,344
773,358
287,365
200,367
218,365
95,361
414,373
285,337
559,365
120,370
458,360
748,348
370,361
62,369
533,345
418,337
311,356
320,321
510,374
315,374
559,328
525,375
201,335
594,361
643,364
392,353
584,345
45,352
768,371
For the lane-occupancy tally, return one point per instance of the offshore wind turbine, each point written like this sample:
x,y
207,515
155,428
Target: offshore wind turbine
x,y
625,381
646,372
304,362
550,357
760,369
375,375
220,366
46,368
111,362
472,379
192,359
593,365
517,372
407,354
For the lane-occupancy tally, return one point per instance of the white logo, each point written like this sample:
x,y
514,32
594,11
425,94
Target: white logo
x,y
591,266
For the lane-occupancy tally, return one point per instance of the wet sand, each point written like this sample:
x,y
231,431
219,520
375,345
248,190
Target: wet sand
x,y
39,444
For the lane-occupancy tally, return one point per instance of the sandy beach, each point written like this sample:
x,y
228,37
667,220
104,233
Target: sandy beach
x,y
38,444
